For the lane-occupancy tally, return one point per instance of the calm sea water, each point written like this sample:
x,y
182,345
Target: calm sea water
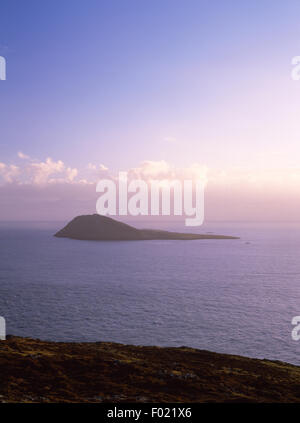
x,y
236,296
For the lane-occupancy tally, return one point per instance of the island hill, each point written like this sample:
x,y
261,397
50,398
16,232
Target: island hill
x,y
102,228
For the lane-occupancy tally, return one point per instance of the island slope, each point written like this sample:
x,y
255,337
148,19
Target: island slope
x,y
102,228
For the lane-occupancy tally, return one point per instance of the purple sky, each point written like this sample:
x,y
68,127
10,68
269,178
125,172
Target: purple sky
x,y
102,86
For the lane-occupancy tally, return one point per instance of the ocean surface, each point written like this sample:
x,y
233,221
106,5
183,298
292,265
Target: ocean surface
x,y
229,296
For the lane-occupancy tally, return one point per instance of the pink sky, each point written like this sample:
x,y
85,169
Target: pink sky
x,y
52,190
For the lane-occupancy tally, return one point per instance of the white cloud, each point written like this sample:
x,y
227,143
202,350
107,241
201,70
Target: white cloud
x,y
49,171
91,166
23,156
150,169
9,172
94,172
71,173
40,172
162,170
232,193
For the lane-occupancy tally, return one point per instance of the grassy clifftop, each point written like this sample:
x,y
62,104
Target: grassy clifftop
x,y
38,371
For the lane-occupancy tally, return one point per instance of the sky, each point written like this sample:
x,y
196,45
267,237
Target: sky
x,y
109,85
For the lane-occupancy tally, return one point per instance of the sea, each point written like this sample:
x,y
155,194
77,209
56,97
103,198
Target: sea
x,y
229,296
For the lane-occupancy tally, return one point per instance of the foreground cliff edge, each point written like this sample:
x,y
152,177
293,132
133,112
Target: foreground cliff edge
x,y
39,371
102,228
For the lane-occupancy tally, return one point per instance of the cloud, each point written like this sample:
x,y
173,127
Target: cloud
x,y
9,173
51,189
23,156
46,171
101,167
37,172
41,172
149,169
71,173
49,171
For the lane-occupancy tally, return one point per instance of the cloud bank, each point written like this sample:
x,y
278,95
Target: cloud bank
x,y
49,189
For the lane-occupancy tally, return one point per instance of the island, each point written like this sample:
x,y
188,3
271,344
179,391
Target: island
x,y
102,228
